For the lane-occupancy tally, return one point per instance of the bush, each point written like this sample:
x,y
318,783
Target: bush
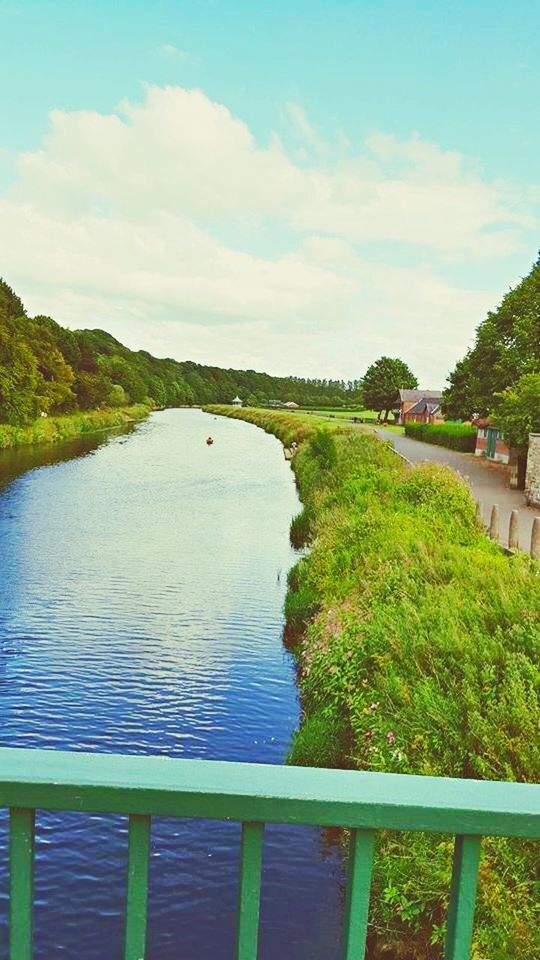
x,y
456,436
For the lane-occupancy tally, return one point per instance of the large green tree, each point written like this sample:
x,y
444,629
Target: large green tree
x,y
516,410
381,383
507,348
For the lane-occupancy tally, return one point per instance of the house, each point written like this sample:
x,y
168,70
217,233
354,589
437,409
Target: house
x,y
424,411
490,443
406,399
291,405
237,402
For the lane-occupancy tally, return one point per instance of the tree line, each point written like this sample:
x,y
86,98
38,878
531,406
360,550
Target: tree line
x,y
46,368
499,376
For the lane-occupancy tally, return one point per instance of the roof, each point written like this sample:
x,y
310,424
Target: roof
x,y
408,395
237,400
423,405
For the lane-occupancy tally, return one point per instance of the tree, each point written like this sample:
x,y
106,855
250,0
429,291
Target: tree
x,y
19,402
382,381
517,410
507,348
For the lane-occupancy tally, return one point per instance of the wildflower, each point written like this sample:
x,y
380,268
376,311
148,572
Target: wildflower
x,y
373,706
368,734
391,737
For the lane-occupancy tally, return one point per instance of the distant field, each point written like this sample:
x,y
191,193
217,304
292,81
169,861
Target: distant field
x,y
341,414
368,416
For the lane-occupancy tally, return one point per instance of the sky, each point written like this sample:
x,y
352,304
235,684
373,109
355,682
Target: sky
x,y
296,187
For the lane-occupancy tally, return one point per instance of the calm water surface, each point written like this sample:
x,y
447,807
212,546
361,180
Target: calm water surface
x,y
141,591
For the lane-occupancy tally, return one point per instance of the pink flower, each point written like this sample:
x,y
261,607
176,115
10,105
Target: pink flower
x,y
391,737
368,734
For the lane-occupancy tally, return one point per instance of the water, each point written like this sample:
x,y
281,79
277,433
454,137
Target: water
x,y
141,591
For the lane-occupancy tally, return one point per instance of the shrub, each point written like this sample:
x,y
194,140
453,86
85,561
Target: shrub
x,y
456,436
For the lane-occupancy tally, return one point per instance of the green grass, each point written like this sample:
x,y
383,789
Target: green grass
x,y
343,414
418,647
55,429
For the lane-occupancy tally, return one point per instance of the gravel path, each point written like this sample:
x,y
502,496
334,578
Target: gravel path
x,y
489,482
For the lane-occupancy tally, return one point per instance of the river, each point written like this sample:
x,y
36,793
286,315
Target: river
x,y
141,592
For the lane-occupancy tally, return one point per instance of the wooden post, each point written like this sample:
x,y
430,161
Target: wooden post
x,y
494,522
479,515
535,539
513,531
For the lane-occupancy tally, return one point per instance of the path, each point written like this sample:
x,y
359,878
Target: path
x,y
488,482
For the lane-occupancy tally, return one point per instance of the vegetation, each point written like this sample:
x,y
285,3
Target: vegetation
x,y
507,348
418,646
517,410
457,436
382,381
52,429
45,368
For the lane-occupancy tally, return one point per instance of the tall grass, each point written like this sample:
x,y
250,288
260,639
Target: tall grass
x,y
418,645
456,436
53,429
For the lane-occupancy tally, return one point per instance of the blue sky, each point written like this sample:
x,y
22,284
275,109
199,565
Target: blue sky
x,y
364,111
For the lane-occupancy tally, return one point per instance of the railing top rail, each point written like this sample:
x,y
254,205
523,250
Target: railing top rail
x,y
163,786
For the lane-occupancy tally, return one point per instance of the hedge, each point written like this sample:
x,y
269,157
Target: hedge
x,y
456,436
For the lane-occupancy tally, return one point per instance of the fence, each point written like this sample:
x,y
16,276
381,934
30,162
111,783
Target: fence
x,y
253,794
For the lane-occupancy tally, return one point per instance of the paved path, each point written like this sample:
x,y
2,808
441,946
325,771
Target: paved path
x,y
489,482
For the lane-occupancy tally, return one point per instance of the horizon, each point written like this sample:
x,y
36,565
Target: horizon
x,y
202,198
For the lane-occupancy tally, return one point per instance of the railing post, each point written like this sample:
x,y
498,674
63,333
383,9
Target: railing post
x,y
137,887
21,902
249,898
358,888
462,898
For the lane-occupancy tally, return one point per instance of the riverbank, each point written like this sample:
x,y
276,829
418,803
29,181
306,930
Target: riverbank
x,y
70,426
417,642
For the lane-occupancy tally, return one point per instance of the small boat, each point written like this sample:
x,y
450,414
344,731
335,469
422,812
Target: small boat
x,y
209,441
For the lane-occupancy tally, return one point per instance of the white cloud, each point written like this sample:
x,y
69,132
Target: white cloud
x,y
170,52
150,222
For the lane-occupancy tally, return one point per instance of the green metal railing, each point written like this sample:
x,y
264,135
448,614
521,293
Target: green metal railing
x,y
253,794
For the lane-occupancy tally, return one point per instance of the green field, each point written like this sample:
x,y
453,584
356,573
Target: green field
x,y
347,415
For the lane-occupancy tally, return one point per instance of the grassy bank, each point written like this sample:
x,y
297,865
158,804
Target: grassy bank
x,y
456,436
70,426
418,647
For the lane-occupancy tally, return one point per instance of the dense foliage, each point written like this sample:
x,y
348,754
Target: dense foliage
x,y
457,436
517,410
507,347
382,380
45,368
418,643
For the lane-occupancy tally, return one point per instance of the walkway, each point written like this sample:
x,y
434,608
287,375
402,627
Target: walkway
x,y
488,482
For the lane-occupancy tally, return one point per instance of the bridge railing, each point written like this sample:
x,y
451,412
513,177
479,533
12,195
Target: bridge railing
x,y
255,794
